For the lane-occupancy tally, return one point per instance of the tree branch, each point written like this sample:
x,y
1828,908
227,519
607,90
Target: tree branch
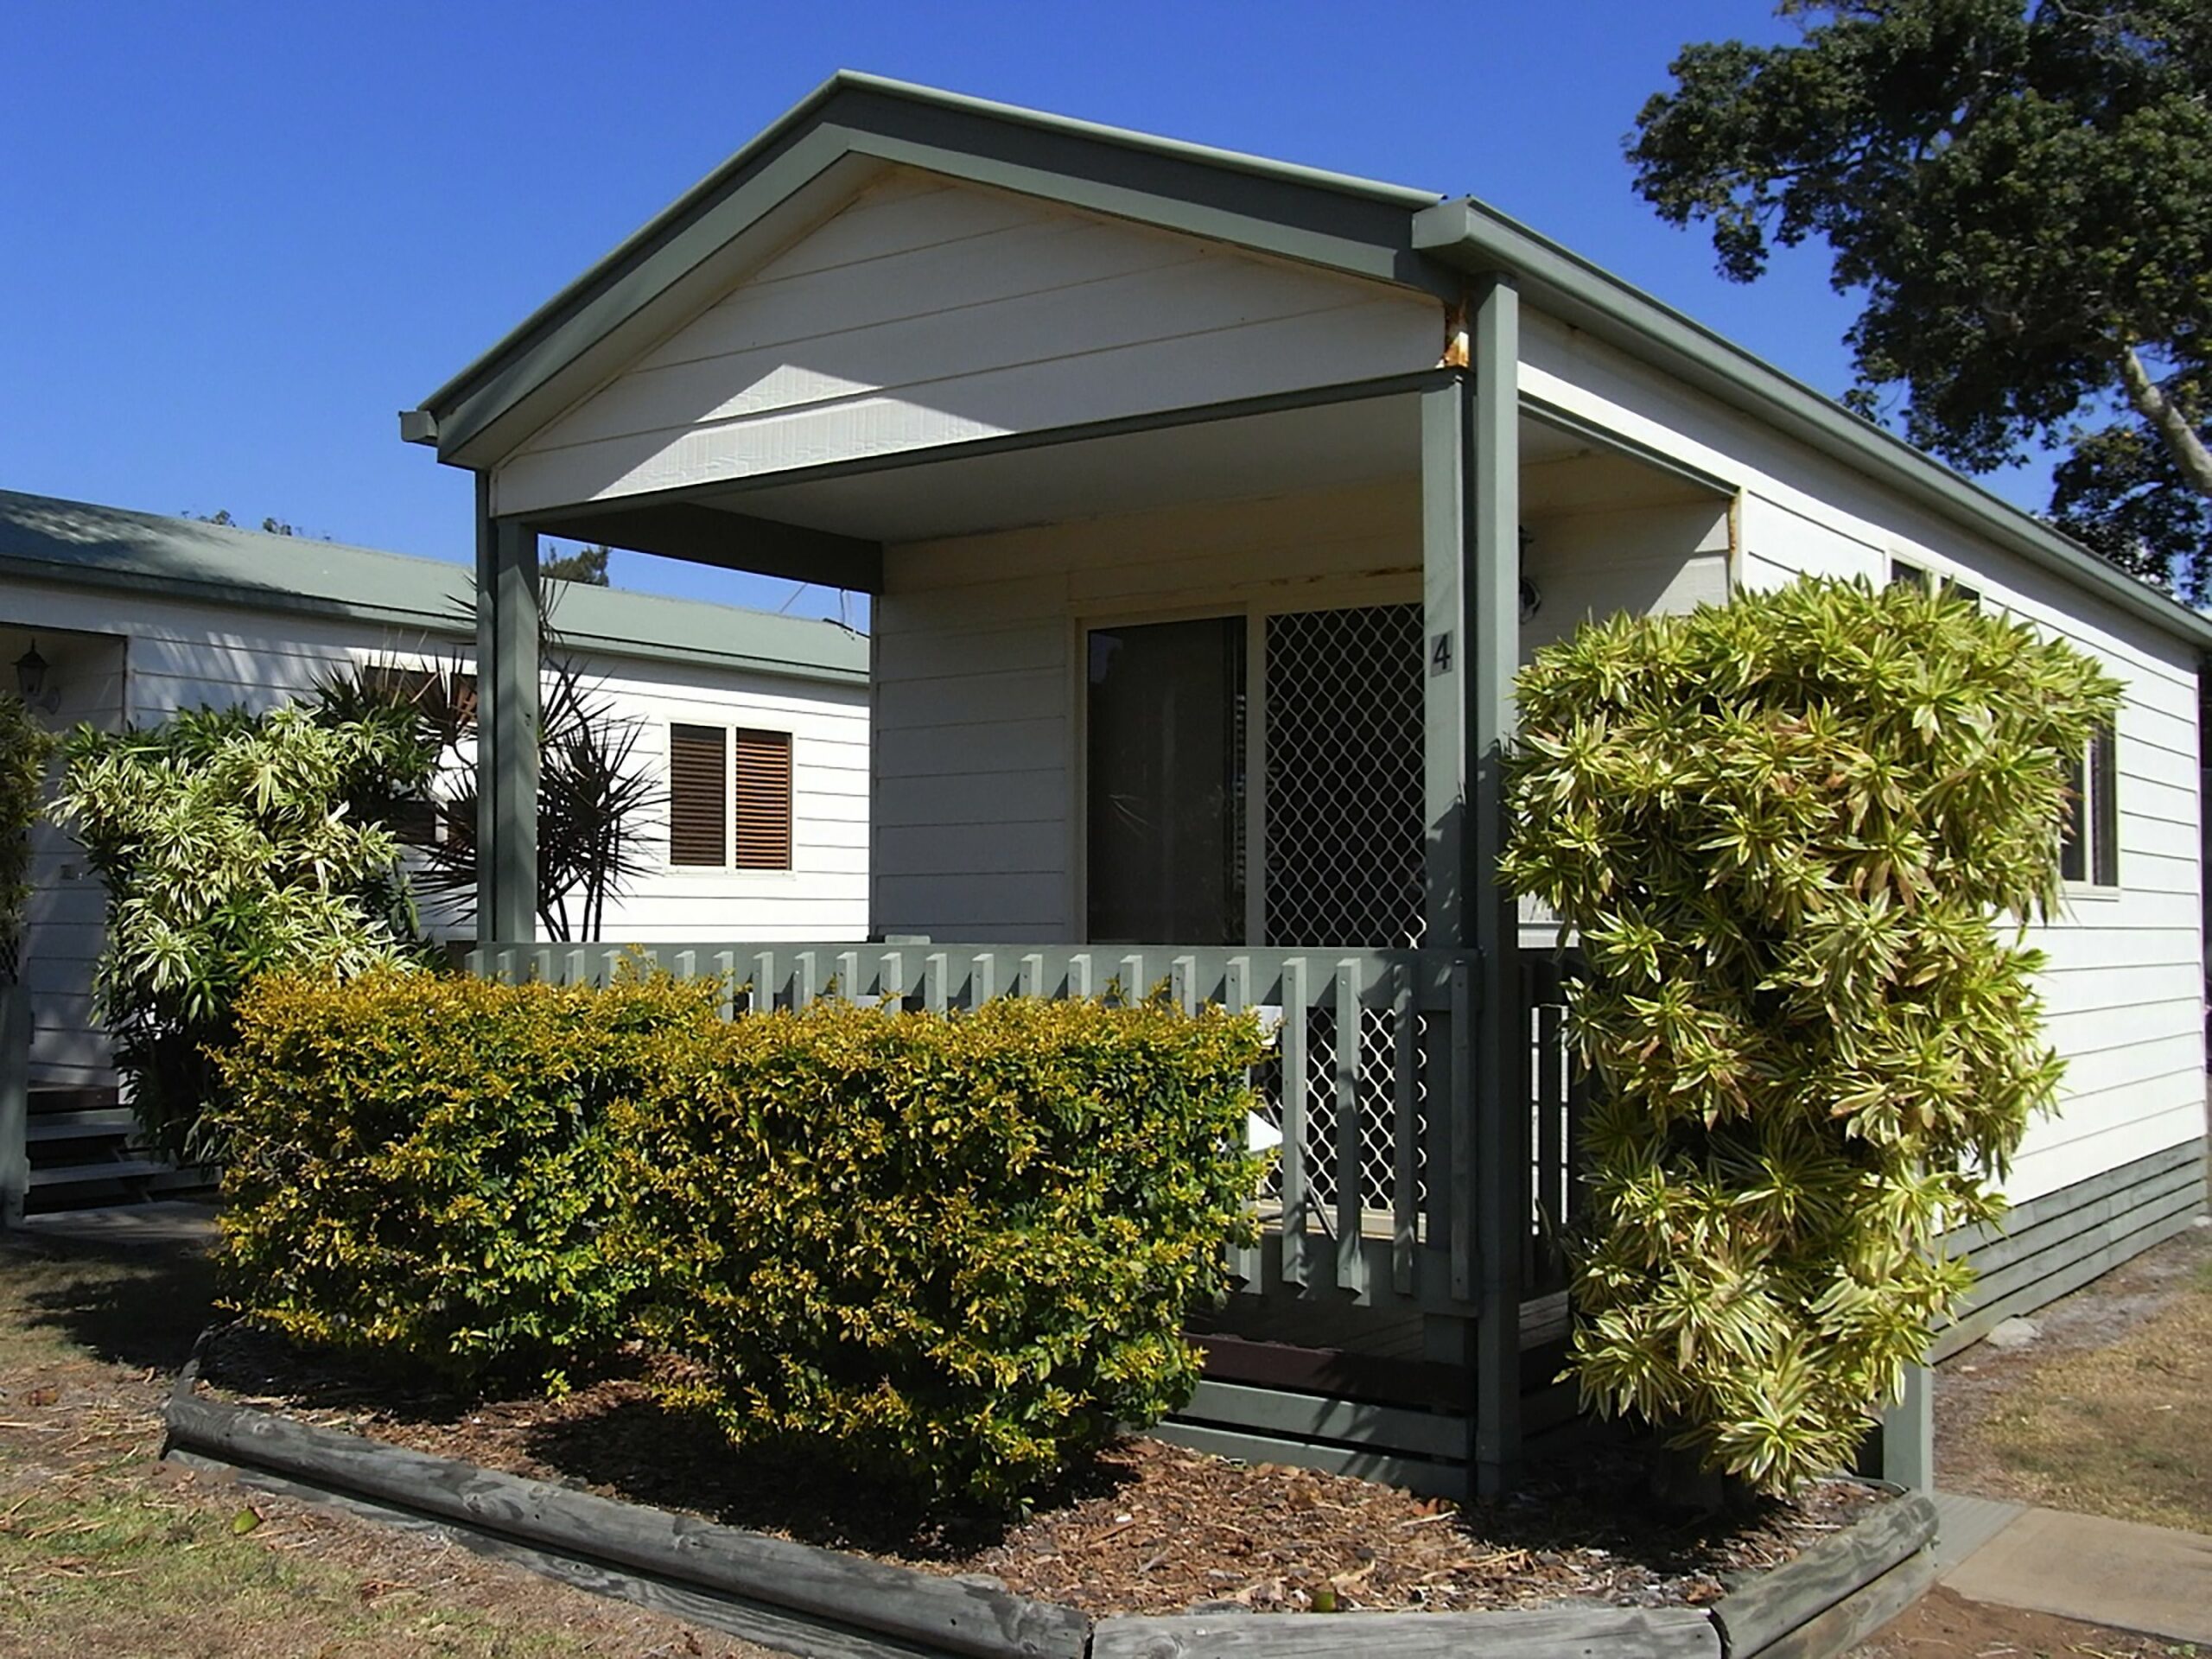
x,y
2149,400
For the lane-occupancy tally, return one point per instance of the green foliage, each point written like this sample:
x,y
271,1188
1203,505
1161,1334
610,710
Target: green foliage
x,y
953,1252
594,792
586,565
25,747
223,844
419,1163
2023,197
1787,832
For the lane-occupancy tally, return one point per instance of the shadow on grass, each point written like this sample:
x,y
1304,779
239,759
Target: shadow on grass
x,y
141,1305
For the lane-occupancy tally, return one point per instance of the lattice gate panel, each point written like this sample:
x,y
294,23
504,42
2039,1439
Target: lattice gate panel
x,y
1344,804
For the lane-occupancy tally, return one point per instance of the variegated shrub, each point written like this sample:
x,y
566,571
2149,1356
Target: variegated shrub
x,y
1796,836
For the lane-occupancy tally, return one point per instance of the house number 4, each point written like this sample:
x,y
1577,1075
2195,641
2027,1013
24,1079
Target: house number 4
x,y
1439,654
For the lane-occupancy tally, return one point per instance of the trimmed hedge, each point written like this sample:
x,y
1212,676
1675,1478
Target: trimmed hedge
x,y
957,1251
953,1252
418,1164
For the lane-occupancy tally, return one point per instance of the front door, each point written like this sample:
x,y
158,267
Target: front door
x,y
1318,804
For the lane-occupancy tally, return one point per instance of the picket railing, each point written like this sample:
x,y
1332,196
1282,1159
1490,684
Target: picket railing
x,y
1371,1198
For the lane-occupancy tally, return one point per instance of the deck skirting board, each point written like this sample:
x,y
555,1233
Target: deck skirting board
x,y
2054,1244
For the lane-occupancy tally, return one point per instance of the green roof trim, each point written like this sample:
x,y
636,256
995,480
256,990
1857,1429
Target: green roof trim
x,y
1384,232
1562,284
79,543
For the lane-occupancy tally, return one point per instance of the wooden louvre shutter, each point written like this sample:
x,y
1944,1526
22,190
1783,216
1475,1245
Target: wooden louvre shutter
x,y
698,795
764,800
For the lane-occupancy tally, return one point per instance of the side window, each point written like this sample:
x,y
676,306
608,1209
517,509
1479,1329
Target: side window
x,y
1903,575
447,701
2088,847
729,797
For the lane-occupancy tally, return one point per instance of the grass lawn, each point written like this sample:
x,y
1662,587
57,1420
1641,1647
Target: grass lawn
x,y
103,1549
2109,1411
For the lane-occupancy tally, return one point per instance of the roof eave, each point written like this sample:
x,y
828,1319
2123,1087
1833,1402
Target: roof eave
x,y
1475,239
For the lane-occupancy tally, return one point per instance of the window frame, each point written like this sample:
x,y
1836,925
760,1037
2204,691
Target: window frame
x,y
732,733
2095,811
1911,573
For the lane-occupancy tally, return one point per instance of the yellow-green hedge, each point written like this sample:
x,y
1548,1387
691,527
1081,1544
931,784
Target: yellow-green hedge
x,y
418,1164
955,1250
951,1252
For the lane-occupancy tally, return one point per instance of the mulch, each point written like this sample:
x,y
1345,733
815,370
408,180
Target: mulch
x,y
1144,1527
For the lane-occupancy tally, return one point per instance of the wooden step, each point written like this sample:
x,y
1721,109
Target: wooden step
x,y
80,1125
116,1169
46,1098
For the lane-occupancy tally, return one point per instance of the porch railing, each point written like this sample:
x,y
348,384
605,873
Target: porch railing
x,y
1369,1088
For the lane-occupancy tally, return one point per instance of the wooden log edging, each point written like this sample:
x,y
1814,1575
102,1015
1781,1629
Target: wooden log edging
x,y
808,1600
924,1612
1770,1614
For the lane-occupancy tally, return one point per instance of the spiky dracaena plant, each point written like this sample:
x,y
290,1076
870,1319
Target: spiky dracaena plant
x,y
1798,836
224,842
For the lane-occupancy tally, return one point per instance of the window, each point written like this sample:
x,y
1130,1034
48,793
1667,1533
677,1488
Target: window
x,y
1912,575
1166,782
2089,846
729,797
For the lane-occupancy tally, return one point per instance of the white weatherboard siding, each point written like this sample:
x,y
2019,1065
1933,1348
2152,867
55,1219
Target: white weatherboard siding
x,y
2126,983
927,313
182,655
977,753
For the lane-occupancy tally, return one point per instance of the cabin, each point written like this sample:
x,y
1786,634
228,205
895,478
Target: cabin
x,y
1207,505
752,730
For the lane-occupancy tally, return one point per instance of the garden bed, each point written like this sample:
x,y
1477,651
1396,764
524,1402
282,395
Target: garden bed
x,y
1147,1528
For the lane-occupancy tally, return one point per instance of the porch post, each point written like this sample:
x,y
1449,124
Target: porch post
x,y
1501,1098
506,724
1471,581
1908,1433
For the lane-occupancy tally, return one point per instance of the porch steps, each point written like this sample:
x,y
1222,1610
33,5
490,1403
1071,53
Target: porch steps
x,y
84,1149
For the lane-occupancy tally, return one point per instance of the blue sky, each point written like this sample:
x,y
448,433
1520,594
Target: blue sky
x,y
242,236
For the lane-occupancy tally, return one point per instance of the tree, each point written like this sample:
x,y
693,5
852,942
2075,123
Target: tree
x,y
270,525
586,565
25,747
2024,200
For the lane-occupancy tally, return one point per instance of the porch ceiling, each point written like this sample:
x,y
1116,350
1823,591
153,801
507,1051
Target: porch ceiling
x,y
931,495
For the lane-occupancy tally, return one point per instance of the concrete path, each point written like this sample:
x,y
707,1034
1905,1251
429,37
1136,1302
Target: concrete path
x,y
127,1225
2120,1574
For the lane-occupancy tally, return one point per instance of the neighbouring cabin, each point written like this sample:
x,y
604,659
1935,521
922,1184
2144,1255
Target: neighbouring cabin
x,y
758,724
1208,506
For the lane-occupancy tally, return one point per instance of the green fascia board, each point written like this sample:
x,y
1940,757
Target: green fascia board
x,y
1562,284
1352,224
46,539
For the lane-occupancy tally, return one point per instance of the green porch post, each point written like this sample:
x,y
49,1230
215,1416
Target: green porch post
x,y
1908,1433
506,724
1501,1100
1471,564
